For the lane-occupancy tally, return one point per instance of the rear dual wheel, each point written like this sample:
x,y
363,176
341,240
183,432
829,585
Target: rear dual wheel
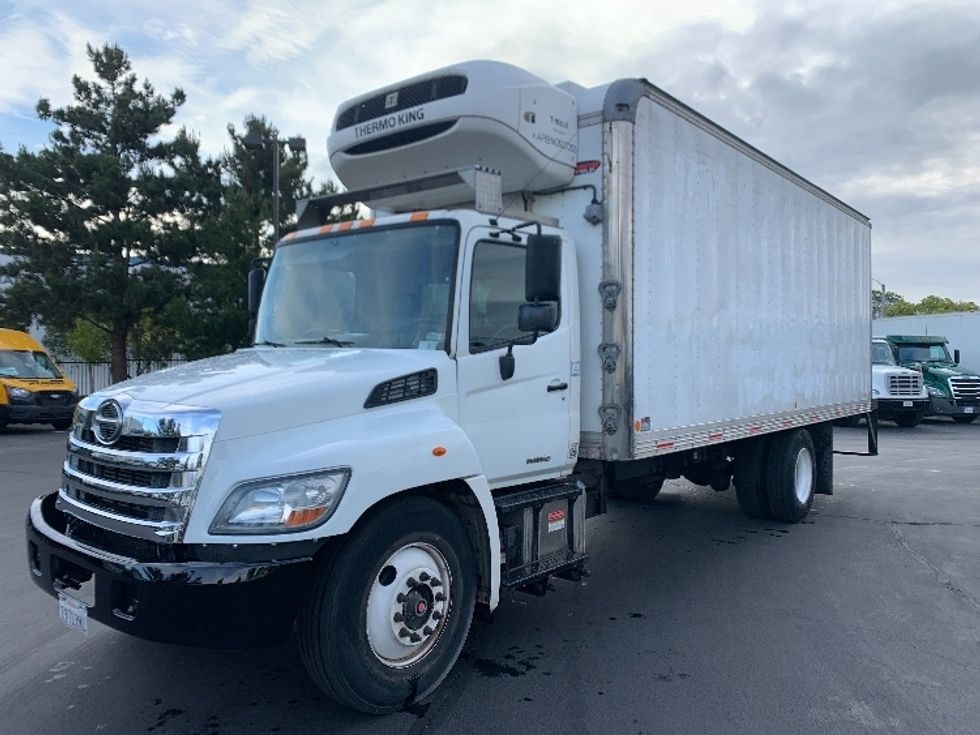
x,y
776,478
386,617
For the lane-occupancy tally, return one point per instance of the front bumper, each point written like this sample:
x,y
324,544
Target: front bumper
x,y
888,408
943,406
197,602
29,413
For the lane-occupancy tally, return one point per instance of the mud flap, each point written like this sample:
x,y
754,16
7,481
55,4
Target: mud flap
x,y
823,445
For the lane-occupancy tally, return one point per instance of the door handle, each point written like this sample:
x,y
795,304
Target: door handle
x,y
552,387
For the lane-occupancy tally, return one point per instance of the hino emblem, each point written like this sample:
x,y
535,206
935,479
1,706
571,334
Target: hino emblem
x,y
108,422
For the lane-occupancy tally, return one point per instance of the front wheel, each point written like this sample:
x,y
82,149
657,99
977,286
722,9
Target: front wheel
x,y
908,420
61,424
965,419
386,617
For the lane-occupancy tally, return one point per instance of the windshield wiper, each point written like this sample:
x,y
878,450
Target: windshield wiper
x,y
324,341
267,343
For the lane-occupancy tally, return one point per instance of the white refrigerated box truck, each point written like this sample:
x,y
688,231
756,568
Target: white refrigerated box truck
x,y
562,292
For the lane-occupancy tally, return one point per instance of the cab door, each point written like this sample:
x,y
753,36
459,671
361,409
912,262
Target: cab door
x,y
521,427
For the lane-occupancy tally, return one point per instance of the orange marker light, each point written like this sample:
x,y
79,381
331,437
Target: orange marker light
x,y
304,516
637,425
438,451
418,216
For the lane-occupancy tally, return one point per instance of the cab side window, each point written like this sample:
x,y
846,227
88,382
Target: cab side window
x,y
496,294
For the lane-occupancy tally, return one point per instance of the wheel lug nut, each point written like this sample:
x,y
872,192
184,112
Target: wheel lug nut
x,y
403,633
440,597
436,582
436,615
411,582
427,630
415,638
400,597
398,617
424,576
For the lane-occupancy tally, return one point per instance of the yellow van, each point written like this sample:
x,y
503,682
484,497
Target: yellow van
x,y
32,388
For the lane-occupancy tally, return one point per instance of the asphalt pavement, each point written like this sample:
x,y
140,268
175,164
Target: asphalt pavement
x,y
863,619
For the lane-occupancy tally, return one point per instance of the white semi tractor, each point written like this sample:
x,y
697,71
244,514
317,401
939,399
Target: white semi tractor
x,y
562,291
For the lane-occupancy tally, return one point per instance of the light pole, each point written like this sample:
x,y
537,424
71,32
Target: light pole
x,y
254,141
882,302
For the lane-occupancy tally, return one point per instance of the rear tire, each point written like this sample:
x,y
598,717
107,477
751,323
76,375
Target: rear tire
x,y
791,474
908,420
851,422
965,419
750,485
360,600
640,490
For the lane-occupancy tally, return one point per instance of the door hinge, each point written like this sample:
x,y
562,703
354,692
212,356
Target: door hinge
x,y
610,291
610,414
609,353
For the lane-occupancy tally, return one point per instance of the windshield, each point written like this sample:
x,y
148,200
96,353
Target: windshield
x,y
923,353
26,364
386,287
881,354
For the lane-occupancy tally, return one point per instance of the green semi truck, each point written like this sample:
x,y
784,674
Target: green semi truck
x,y
954,391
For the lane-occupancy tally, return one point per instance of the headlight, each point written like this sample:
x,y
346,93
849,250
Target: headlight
x,y
19,394
935,391
281,504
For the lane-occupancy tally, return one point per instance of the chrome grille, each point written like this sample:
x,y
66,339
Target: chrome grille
x,y
143,484
965,389
904,384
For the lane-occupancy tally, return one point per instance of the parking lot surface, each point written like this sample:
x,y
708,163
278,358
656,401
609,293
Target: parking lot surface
x,y
863,619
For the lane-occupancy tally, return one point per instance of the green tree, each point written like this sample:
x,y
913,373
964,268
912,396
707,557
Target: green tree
x,y
214,317
102,222
929,305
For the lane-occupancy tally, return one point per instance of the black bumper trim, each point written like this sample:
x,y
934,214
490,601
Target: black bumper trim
x,y
29,413
889,407
214,604
942,406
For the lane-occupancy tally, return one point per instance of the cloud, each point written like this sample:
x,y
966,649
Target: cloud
x,y
878,102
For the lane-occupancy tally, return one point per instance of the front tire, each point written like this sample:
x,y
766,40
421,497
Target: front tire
x,y
965,419
908,420
61,424
386,616
791,475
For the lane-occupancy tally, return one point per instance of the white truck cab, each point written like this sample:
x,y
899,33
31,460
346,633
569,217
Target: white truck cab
x,y
900,393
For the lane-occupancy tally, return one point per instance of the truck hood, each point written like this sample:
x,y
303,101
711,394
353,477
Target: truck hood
x,y
263,390
943,371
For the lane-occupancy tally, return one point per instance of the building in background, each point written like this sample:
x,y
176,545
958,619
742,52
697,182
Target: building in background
x,y
962,329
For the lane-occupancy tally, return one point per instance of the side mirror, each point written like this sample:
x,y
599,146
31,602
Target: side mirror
x,y
542,270
956,356
256,281
538,317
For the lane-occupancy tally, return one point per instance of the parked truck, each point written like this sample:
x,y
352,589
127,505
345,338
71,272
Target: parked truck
x,y
899,393
954,390
561,290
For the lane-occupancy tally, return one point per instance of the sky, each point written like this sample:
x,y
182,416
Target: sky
x,y
877,102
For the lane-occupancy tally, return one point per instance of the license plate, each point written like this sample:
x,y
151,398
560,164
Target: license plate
x,y
968,409
72,613
907,404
